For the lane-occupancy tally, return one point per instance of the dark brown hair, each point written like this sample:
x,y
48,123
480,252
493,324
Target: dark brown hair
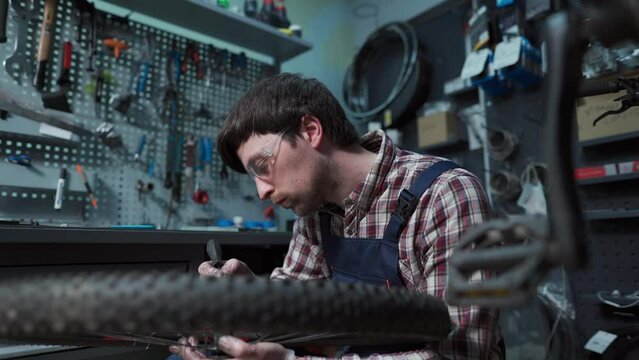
x,y
277,103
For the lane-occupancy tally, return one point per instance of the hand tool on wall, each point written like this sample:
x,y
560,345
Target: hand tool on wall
x,y
58,100
107,134
143,188
98,92
18,64
177,171
85,180
139,148
20,159
189,150
59,190
191,54
200,196
122,102
46,39
86,13
118,46
33,112
4,11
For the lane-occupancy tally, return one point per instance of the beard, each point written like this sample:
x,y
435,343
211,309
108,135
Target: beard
x,y
311,200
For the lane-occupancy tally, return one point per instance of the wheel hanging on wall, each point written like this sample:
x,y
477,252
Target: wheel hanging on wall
x,y
388,73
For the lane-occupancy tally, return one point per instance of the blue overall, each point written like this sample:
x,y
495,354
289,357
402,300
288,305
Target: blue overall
x,y
376,261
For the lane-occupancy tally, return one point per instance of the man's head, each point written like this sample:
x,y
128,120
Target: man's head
x,y
276,131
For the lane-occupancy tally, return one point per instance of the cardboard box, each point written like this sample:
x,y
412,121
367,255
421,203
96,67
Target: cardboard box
x,y
436,128
589,108
628,167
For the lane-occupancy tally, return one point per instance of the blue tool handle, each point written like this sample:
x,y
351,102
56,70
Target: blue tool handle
x,y
208,150
141,145
144,73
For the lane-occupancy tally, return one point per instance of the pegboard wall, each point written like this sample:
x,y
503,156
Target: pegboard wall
x,y
612,244
205,92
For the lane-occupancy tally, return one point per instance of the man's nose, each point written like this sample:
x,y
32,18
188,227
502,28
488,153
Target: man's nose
x,y
264,189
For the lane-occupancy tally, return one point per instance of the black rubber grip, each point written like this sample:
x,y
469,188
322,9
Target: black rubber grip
x,y
598,87
41,71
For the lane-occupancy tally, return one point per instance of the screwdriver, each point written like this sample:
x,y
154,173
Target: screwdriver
x,y
94,200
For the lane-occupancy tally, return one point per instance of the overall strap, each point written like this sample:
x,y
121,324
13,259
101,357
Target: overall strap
x,y
408,199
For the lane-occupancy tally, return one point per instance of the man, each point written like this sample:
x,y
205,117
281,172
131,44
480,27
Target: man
x,y
293,138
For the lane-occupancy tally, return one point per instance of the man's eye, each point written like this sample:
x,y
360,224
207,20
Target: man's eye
x,y
261,166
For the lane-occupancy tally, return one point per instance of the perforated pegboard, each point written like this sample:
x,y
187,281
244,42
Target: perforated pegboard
x,y
112,172
612,244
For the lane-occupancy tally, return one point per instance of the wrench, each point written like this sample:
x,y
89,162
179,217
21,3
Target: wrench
x,y
18,63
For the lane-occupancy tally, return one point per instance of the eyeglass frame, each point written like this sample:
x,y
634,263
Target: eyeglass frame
x,y
267,153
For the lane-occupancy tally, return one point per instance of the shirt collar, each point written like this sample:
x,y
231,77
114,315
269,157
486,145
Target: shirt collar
x,y
363,195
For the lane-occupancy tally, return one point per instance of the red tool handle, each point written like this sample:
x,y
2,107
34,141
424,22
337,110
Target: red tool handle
x,y
66,55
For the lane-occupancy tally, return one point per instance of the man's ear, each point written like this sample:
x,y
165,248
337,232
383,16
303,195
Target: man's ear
x,y
312,130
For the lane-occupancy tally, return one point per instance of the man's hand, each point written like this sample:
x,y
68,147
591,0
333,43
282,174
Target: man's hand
x,y
237,349
261,351
230,267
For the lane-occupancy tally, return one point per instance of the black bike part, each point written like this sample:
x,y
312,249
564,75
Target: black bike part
x,y
566,220
68,304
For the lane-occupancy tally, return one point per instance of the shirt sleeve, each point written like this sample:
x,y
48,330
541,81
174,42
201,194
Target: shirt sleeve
x,y
305,258
459,202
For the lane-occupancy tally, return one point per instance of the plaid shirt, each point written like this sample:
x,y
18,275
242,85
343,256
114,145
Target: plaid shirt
x,y
453,203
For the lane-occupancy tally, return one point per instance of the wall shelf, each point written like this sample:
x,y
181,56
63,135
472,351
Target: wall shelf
x,y
209,19
610,214
610,139
609,179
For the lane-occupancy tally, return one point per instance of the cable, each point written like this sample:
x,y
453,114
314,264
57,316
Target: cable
x,y
356,88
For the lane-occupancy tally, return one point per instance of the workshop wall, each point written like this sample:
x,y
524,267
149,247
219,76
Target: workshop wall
x,y
27,191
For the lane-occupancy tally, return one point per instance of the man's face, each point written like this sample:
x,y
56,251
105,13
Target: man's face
x,y
289,176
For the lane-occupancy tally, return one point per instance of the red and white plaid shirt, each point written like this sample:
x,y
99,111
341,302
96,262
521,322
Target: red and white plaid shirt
x,y
454,202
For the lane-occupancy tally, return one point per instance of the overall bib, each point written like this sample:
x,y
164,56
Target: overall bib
x,y
376,261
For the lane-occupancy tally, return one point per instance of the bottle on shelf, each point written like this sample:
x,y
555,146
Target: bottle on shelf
x,y
280,14
250,8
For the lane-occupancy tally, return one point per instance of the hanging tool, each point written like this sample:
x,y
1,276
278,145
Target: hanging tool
x,y
85,180
59,190
189,149
201,196
86,12
207,143
46,38
191,54
630,99
118,46
98,92
58,100
145,60
18,64
4,11
122,102
20,159
143,188
140,148
106,132
177,171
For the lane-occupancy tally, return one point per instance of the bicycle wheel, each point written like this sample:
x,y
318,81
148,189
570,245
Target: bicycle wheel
x,y
62,305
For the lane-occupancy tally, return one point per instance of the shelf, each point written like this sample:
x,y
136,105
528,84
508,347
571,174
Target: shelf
x,y
609,179
205,17
610,139
38,177
610,214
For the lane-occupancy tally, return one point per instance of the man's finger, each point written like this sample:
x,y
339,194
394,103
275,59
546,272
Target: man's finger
x,y
236,347
207,269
